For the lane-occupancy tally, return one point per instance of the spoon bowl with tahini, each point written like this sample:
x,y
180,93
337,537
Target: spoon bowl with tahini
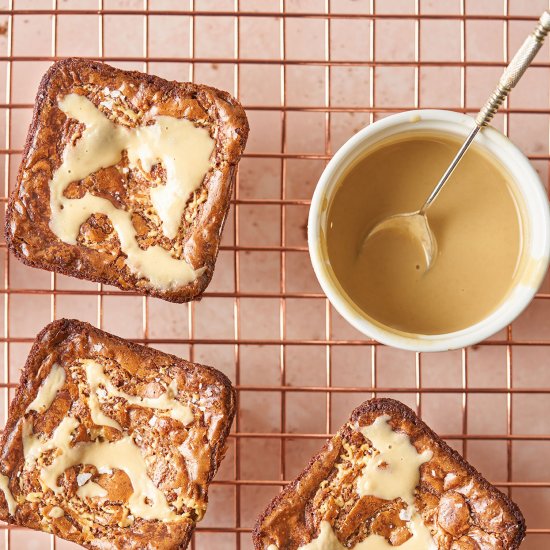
x,y
415,224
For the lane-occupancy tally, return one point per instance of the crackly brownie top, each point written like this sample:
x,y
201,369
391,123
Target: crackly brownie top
x,y
108,441
387,481
125,178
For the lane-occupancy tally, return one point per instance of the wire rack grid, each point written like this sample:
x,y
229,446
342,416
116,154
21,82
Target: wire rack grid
x,y
310,73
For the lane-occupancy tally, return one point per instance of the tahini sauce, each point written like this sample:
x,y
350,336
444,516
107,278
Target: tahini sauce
x,y
475,221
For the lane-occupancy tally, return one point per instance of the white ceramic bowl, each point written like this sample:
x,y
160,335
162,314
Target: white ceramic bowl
x,y
534,212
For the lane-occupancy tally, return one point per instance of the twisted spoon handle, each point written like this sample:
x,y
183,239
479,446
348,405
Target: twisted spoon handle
x,y
510,77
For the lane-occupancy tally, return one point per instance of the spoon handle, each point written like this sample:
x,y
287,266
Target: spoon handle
x,y
511,75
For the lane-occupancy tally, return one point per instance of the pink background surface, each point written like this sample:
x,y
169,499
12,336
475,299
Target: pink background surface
x,y
264,321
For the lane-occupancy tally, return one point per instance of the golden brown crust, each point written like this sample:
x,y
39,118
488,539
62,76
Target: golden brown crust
x,y
97,255
448,488
137,370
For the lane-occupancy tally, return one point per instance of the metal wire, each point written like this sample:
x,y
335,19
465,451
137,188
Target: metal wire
x,y
515,480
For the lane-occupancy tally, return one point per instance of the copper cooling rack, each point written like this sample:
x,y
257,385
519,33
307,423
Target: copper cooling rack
x,y
298,368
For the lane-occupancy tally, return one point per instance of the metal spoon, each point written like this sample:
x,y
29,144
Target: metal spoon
x,y
416,223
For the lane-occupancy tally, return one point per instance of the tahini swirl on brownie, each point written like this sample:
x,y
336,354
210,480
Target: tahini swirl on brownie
x,y
146,501
184,150
393,472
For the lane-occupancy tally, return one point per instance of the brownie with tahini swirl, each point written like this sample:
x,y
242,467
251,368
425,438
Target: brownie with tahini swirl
x,y
110,444
387,481
126,179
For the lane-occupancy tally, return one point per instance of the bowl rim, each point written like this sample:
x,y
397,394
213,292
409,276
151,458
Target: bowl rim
x,y
501,149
